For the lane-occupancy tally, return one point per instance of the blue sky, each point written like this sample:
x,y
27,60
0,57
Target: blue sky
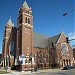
x,y
48,16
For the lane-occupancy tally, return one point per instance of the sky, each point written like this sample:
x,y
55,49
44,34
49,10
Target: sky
x,y
48,16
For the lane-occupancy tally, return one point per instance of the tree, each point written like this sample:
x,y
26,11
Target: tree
x,y
49,46
48,50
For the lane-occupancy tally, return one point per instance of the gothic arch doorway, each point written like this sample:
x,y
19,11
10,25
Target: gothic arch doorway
x,y
69,62
63,62
66,62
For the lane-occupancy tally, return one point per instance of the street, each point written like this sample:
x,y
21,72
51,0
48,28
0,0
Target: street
x,y
59,72
43,72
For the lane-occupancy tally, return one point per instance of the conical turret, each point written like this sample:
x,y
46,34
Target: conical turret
x,y
25,5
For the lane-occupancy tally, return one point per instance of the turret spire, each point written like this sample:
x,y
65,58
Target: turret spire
x,y
25,5
10,22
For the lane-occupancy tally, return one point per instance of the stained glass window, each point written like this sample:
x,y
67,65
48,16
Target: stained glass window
x,y
64,48
12,48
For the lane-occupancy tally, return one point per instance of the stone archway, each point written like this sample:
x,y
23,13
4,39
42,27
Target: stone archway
x,y
67,62
63,62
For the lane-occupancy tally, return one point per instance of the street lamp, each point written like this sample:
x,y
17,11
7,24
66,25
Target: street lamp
x,y
67,12
67,38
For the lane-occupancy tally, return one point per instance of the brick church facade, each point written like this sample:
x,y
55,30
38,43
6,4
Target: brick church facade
x,y
26,49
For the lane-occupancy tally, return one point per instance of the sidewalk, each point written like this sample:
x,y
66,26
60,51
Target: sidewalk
x,y
49,70
11,72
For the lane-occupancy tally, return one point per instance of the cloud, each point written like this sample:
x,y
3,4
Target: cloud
x,y
71,36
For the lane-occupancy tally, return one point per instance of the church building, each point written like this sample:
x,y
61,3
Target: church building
x,y
26,50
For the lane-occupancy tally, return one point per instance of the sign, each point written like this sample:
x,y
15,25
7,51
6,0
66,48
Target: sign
x,y
22,59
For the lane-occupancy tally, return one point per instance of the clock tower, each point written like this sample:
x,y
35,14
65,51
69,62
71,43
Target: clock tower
x,y
24,50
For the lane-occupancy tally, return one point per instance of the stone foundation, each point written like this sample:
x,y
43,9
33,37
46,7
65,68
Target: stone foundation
x,y
26,67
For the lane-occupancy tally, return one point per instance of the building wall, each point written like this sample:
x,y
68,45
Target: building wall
x,y
56,55
41,55
74,55
9,46
64,58
41,58
23,45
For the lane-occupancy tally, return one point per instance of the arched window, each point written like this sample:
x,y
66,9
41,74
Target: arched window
x,y
28,20
28,12
64,48
35,56
47,57
9,33
26,61
20,19
40,58
12,48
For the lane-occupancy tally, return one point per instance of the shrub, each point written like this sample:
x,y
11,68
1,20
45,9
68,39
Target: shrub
x,y
13,67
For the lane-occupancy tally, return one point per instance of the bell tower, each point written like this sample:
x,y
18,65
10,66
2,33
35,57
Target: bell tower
x,y
7,39
24,48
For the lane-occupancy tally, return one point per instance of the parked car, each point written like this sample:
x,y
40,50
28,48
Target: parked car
x,y
72,67
68,67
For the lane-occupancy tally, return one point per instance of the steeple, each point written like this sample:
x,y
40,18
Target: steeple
x,y
10,22
25,5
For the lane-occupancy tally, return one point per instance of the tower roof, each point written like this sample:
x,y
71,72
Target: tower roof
x,y
25,5
10,22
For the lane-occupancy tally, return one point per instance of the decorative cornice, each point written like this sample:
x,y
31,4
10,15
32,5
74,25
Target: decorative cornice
x,y
8,29
6,37
24,13
27,24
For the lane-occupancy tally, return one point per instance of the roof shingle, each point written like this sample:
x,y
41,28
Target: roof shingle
x,y
41,40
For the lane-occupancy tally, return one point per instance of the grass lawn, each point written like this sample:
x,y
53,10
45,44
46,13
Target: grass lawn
x,y
3,72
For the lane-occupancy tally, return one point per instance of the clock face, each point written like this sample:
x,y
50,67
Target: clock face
x,y
64,48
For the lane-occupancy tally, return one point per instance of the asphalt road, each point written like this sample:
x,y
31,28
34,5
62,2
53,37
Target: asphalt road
x,y
60,72
45,72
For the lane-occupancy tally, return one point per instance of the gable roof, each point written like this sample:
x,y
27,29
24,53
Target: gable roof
x,y
54,39
40,40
